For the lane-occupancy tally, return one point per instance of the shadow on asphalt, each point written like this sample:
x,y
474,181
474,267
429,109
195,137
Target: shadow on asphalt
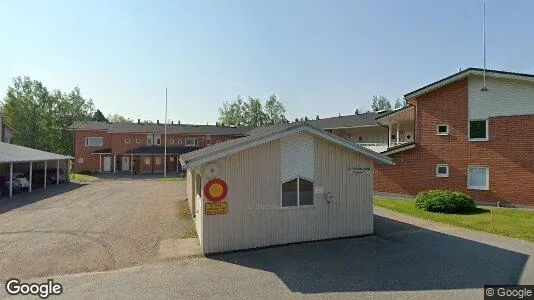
x,y
400,257
127,175
25,198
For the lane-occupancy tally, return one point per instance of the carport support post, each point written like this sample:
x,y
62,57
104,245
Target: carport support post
x,y
100,162
10,180
45,175
30,187
114,163
57,172
131,164
398,125
389,136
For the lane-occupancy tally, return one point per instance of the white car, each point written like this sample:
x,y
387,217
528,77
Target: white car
x,y
19,182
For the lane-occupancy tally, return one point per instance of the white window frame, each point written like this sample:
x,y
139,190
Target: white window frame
x,y
171,141
195,139
481,188
298,193
157,160
179,141
478,139
127,141
147,160
94,137
80,160
138,141
442,133
446,174
217,141
158,141
150,140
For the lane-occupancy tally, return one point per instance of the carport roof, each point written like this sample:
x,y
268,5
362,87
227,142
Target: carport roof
x,y
13,153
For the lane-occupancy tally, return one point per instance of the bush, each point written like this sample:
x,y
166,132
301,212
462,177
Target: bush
x,y
444,201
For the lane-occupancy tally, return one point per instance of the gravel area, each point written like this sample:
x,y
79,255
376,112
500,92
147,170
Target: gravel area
x,y
96,226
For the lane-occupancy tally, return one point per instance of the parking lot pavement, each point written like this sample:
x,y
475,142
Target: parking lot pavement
x,y
401,261
98,226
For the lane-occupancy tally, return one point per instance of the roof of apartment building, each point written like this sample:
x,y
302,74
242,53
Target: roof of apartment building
x,y
271,133
159,128
356,120
462,74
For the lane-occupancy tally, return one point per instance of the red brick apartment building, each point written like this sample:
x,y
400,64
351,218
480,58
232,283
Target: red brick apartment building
x,y
467,137
139,147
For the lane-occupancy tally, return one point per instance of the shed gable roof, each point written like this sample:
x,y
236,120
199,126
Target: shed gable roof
x,y
232,146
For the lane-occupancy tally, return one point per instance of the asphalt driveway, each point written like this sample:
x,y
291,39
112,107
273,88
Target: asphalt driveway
x,y
98,226
406,259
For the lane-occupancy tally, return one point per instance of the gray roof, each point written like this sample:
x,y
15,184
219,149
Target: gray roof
x,y
159,128
273,132
159,150
363,119
14,153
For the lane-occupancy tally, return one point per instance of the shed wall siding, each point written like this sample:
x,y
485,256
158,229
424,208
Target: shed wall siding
x,y
504,97
255,217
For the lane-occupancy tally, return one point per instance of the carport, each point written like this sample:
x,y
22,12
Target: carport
x,y
23,158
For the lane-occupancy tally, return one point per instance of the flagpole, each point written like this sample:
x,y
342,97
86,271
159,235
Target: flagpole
x,y
165,144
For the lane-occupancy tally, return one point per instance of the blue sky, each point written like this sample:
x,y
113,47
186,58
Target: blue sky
x,y
318,57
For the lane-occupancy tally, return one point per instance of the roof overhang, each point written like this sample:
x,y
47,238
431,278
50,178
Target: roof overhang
x,y
406,113
464,74
399,148
261,139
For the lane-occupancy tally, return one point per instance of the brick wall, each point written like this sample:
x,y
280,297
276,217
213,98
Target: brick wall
x,y
509,153
90,161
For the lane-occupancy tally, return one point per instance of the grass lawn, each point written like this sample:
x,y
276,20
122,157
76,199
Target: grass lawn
x,y
516,223
81,177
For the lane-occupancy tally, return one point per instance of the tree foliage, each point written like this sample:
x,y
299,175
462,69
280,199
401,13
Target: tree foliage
x,y
41,118
252,112
99,116
398,104
380,103
116,118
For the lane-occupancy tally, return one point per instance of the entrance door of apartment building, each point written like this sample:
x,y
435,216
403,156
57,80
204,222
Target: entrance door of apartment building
x,y
107,163
126,163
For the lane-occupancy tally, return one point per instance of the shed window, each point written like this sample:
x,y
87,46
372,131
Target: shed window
x,y
297,192
93,141
442,129
478,130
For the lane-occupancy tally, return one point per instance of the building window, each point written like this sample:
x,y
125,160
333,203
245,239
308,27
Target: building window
x,y
478,178
208,142
442,170
171,141
442,129
478,130
93,141
149,139
217,141
297,192
179,142
126,141
158,141
158,160
191,142
138,141
147,160
80,160
360,138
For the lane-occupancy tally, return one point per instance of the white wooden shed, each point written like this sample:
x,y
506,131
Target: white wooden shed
x,y
289,183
